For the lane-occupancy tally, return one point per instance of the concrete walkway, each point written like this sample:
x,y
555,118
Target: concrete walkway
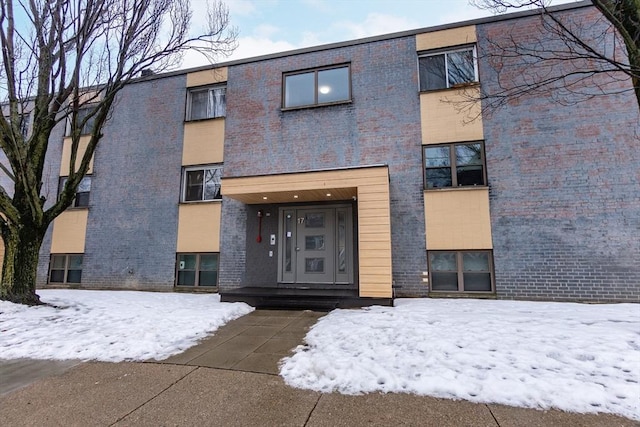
x,y
231,379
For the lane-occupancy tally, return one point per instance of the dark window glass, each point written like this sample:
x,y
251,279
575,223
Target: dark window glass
x,y
194,185
66,268
467,168
469,164
197,270
83,115
317,87
445,70
460,271
432,72
202,184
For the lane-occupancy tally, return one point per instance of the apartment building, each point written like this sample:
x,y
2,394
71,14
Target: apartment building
x,y
353,170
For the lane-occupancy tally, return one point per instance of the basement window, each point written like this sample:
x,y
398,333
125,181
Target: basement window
x,y
65,268
460,271
197,269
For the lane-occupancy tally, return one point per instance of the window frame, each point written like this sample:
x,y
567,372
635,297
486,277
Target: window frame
x,y
445,52
208,88
67,259
453,165
76,204
197,270
315,72
87,128
204,168
460,271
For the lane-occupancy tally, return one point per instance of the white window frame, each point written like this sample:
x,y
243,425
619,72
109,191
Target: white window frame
x,y
183,194
445,52
208,89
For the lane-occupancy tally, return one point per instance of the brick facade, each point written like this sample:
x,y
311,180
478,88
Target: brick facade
x,y
381,125
565,186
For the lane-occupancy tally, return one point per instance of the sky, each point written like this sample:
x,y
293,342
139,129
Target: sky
x,y
270,26
574,357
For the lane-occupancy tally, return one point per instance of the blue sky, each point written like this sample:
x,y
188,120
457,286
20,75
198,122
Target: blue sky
x,y
268,26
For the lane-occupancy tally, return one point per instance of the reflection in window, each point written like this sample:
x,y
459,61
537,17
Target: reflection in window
x,y
65,268
197,269
458,271
448,69
202,184
317,87
207,103
454,165
83,191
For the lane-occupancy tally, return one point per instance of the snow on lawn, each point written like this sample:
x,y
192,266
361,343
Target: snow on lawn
x,y
575,357
111,326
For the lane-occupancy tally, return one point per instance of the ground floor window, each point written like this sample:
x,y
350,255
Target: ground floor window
x,y
65,268
461,271
197,269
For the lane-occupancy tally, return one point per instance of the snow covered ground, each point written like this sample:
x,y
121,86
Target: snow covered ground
x,y
111,326
575,357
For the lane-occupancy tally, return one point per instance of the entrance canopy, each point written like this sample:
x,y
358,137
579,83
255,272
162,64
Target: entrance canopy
x,y
369,185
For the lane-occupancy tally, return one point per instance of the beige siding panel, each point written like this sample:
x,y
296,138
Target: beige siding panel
x,y
446,38
458,219
66,155
374,219
450,116
207,77
1,254
203,142
69,231
199,227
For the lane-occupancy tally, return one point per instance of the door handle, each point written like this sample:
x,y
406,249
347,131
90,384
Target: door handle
x,y
297,249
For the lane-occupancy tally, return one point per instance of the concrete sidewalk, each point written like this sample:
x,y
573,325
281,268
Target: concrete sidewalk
x,y
231,379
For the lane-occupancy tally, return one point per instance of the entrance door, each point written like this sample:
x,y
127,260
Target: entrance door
x,y
316,245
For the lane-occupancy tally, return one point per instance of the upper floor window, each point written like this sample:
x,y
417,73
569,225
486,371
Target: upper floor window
x,y
448,69
25,121
84,115
207,103
201,183
317,87
81,199
454,165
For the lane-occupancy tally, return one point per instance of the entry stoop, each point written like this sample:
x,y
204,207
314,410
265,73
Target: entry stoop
x,y
300,298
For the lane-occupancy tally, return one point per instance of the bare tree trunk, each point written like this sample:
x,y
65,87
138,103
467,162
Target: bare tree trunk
x,y
20,267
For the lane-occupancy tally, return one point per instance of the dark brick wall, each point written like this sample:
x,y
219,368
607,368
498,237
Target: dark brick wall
x,y
133,208
381,125
564,187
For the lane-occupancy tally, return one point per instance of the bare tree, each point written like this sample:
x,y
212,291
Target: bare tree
x,y
64,63
568,58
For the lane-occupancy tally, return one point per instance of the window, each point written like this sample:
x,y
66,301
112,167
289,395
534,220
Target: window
x,y
317,87
81,199
201,183
460,271
197,269
65,268
207,103
454,165
83,114
447,69
25,120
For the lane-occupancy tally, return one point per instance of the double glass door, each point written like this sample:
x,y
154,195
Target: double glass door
x,y
316,245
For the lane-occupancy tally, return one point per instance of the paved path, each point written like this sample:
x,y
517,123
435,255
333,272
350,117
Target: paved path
x,y
231,379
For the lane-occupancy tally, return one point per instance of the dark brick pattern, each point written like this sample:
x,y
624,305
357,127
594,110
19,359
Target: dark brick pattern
x,y
564,189
133,208
380,125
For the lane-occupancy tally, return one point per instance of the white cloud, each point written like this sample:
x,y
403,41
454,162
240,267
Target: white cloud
x,y
255,46
375,24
